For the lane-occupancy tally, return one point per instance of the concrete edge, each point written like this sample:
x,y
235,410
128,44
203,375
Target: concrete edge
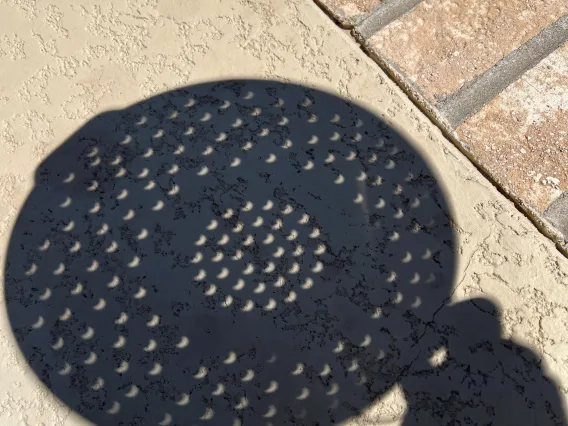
x,y
384,14
344,24
539,221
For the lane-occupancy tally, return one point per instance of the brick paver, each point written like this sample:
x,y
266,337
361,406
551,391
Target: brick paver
x,y
349,12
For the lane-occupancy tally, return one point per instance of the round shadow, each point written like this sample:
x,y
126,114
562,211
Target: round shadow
x,y
237,252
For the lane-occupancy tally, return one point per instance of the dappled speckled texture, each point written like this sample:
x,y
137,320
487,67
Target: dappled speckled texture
x,y
63,64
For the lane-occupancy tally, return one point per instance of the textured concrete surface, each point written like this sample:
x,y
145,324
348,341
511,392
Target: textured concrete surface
x,y
447,44
522,135
63,65
349,12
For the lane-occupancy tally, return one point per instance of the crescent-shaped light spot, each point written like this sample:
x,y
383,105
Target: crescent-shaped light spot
x,y
197,258
159,206
140,293
320,249
69,227
273,387
269,204
134,262
395,236
184,341
399,214
238,123
417,302
114,409
243,403
218,257
151,185
283,121
373,158
200,275
390,164
315,233
258,222
308,283
271,267
179,150
174,190
208,150
65,315
167,420
121,172
132,392
292,236
151,346
398,299
66,203
120,342
359,199
227,302
249,95
330,158
339,347
287,144
123,194
318,267
158,134
333,389
122,368
87,335
249,375
278,224
256,111
75,248
248,207
212,225
269,239
407,258
206,117
103,230
39,323
309,165
100,305
142,120
392,277
228,214
223,274
95,162
190,103
239,285
366,341
298,370
211,290
260,288
291,297
326,370
249,269
99,383
96,208
117,160
236,162
190,131
148,153
271,159
231,358
115,281
271,412
77,290
279,252
201,240
264,132
184,399
280,281
144,173
208,415
313,140
203,171
340,179
58,344
239,227
377,314
45,295
157,369
201,373
127,139
304,219
238,255
335,137
304,395
249,305
122,318
65,370
271,305
91,359
154,321
93,186
93,266
415,203
226,104
224,240
69,178
112,248
294,269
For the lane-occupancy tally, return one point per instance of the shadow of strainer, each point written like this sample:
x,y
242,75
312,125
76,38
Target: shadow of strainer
x,y
242,252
